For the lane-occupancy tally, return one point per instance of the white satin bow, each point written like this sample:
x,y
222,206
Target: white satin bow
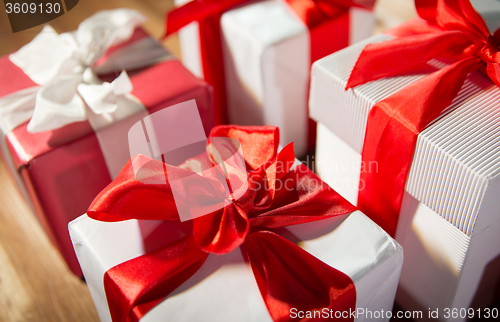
x,y
62,65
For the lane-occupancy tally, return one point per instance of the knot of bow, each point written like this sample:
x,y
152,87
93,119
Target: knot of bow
x,y
64,66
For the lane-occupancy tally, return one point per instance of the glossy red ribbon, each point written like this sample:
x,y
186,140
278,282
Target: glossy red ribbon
x,y
208,13
448,29
287,276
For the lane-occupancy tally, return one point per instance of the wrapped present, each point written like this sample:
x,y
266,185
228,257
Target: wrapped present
x,y
421,131
288,236
67,103
265,49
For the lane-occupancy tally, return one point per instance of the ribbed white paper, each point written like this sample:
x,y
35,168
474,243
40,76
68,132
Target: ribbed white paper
x,y
444,268
455,158
449,224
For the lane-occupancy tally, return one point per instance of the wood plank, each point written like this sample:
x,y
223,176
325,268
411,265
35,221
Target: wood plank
x,y
35,284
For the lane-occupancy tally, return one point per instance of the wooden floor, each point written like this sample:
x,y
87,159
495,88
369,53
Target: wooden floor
x,y
35,284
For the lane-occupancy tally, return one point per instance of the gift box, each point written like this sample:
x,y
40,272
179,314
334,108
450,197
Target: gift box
x,y
298,238
448,219
67,106
267,50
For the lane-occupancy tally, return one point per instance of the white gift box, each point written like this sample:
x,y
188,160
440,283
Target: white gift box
x,y
449,224
266,50
224,289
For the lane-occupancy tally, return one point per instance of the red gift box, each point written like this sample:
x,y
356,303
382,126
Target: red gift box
x,y
62,170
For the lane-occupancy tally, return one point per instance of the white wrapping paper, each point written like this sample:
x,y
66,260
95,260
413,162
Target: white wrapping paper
x,y
224,289
267,61
449,224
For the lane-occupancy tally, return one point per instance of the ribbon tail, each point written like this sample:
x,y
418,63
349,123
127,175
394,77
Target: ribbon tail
x,y
134,287
290,278
391,136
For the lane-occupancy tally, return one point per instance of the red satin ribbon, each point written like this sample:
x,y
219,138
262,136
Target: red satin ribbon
x,y
208,13
287,276
449,29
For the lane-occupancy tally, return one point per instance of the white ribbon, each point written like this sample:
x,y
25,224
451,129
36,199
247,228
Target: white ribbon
x,y
63,65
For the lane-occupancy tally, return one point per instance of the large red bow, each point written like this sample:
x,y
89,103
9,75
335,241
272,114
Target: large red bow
x,y
451,30
287,276
208,13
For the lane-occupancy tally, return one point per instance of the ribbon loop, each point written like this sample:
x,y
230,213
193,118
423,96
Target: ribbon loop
x,y
102,98
57,104
406,54
284,281
460,35
460,15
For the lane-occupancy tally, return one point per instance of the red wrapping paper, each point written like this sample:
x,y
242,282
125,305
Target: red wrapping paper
x,y
64,169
